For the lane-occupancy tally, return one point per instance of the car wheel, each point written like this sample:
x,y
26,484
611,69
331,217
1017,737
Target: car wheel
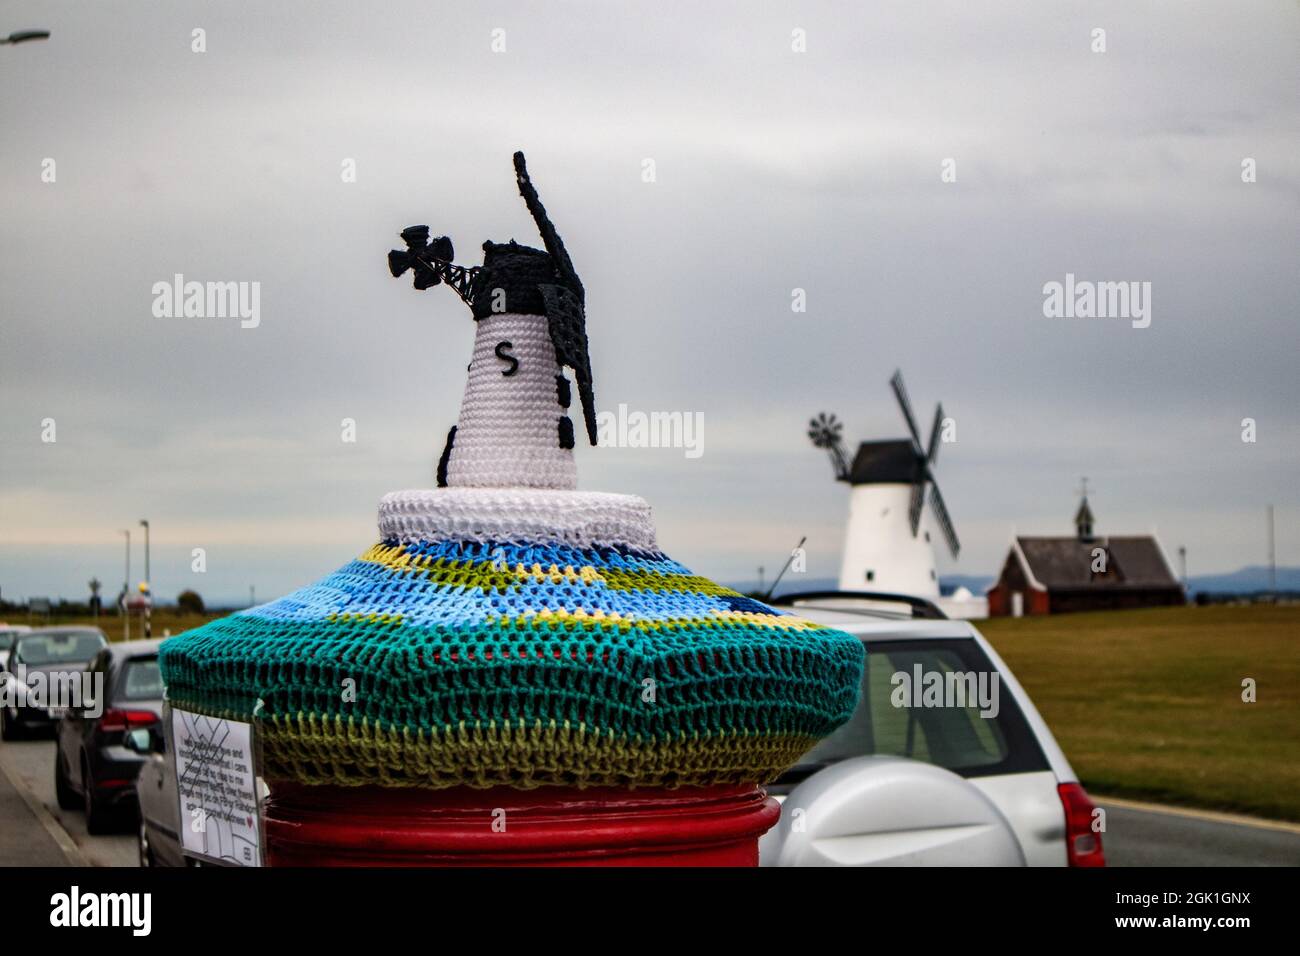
x,y
96,813
142,841
63,792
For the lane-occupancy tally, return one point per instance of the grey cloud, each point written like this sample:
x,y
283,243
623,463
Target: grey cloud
x,y
776,171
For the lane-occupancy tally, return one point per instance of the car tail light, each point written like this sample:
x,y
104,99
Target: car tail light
x,y
122,720
1082,839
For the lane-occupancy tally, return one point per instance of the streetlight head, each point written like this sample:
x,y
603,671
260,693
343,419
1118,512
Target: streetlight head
x,y
22,36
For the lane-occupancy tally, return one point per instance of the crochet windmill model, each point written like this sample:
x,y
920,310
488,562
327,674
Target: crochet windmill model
x,y
508,630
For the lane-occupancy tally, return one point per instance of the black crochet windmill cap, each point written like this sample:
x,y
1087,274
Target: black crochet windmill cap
x,y
514,274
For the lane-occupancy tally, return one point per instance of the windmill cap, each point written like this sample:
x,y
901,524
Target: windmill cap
x,y
894,461
510,280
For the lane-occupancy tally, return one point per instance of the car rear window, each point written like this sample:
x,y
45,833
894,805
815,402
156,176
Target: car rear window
x,y
71,647
142,680
947,710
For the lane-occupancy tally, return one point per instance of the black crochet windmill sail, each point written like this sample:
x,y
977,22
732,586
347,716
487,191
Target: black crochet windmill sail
x,y
508,630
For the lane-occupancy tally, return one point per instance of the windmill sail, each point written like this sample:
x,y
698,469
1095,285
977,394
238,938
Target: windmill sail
x,y
900,392
933,452
565,301
914,508
945,522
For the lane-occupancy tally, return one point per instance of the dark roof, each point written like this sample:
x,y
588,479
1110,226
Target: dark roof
x,y
1062,563
885,462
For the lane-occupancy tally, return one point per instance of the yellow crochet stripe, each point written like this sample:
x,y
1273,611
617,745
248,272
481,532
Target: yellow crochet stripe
x,y
499,577
323,750
562,620
557,575
371,618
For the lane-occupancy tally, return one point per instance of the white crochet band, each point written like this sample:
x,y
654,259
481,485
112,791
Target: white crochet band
x,y
577,518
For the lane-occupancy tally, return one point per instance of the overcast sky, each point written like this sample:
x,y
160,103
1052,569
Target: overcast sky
x,y
775,170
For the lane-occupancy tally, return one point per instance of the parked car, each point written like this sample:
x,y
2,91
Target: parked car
x,y
39,657
158,832
94,769
968,777
8,634
158,829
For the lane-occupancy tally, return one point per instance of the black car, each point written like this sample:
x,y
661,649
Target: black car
x,y
43,677
93,767
8,634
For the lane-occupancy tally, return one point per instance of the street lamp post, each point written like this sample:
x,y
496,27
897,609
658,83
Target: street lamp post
x,y
1182,569
126,591
148,581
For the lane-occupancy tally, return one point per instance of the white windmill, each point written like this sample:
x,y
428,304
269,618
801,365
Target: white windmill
x,y
888,544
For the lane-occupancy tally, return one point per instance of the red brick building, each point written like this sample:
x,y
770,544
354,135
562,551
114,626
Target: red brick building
x,y
1085,572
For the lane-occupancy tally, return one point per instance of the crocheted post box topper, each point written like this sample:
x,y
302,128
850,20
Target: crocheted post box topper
x,y
508,630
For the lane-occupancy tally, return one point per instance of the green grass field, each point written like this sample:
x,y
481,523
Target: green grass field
x,y
111,624
1147,704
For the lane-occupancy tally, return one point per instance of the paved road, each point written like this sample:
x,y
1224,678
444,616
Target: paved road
x,y
1143,837
1135,836
23,840
23,837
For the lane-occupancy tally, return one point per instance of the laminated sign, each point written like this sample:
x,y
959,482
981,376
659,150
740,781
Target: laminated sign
x,y
216,785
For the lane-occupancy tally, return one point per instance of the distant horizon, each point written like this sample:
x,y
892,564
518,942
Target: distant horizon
x,y
1288,581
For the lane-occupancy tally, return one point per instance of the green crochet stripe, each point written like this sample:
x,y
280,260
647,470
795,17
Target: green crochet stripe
x,y
350,753
407,678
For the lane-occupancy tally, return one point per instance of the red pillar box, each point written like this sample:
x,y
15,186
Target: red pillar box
x,y
515,673
551,826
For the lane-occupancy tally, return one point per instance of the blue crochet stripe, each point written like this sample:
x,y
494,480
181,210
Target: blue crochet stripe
x,y
364,588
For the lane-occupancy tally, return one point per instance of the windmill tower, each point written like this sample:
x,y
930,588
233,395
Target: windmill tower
x,y
888,543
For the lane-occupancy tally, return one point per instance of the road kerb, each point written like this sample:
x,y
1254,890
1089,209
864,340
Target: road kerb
x,y
60,836
1210,816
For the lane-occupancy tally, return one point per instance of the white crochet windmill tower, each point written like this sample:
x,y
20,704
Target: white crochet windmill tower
x,y
889,540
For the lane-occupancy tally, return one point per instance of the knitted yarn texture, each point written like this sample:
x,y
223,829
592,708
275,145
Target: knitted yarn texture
x,y
519,638
507,435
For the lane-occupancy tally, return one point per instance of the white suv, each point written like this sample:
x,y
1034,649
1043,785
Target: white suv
x,y
945,761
